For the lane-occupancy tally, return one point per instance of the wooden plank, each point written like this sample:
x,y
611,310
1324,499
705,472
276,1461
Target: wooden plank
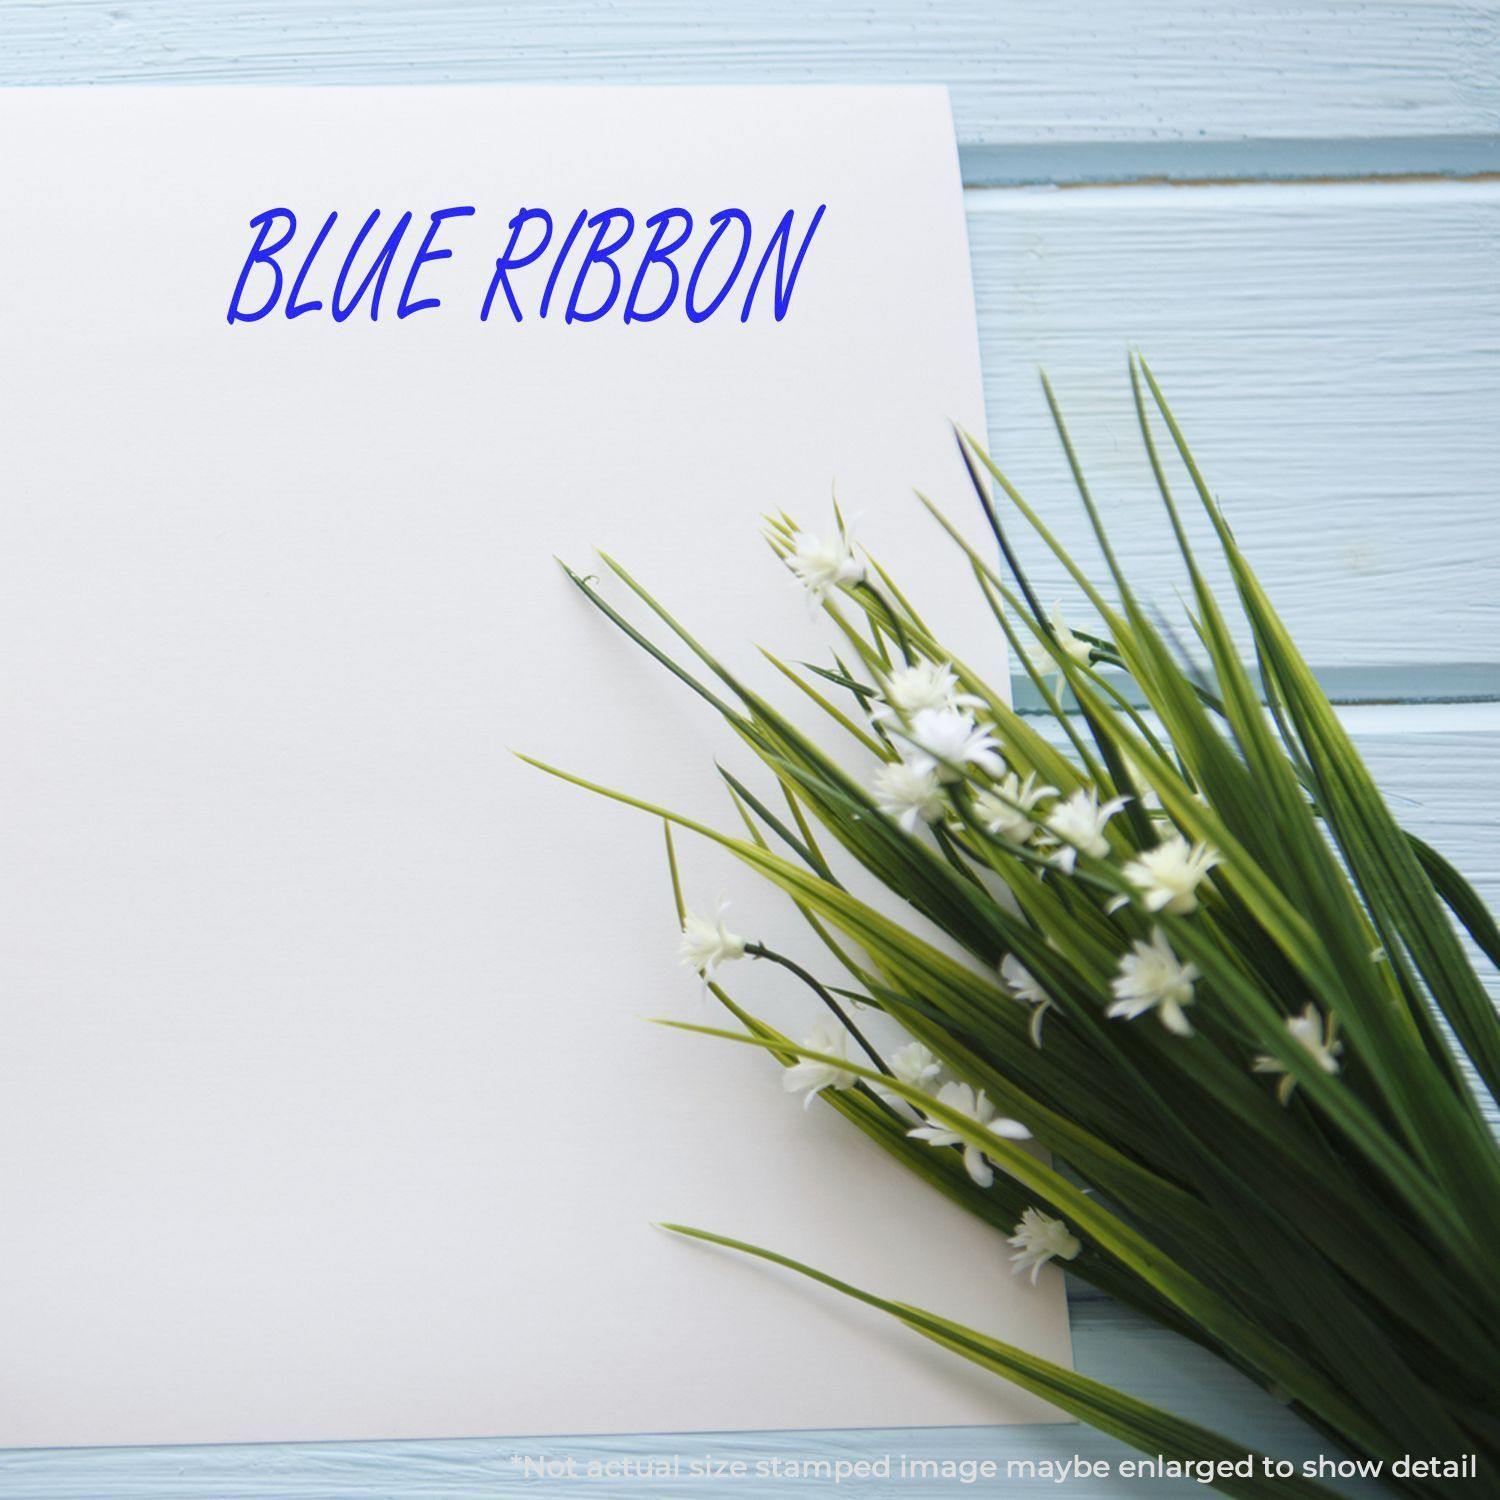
x,y
1439,768
1329,349
1344,158
1094,71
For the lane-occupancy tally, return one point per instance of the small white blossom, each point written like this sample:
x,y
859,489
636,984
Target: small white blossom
x,y
945,740
823,563
814,1077
1040,1238
1170,874
1004,811
705,945
908,793
914,1065
1041,658
1020,981
1022,984
1078,826
1319,1038
960,1098
923,684
1152,977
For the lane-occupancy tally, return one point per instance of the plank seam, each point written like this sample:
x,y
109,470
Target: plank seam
x,y
1188,163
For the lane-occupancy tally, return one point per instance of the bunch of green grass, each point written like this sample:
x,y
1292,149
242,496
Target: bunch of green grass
x,y
1334,1238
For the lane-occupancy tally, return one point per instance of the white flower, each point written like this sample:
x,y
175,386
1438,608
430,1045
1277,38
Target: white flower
x,y
944,740
1318,1037
914,1065
908,793
1078,825
1004,811
1151,977
1040,1238
812,1076
822,564
1170,874
959,1097
1041,658
1021,983
705,945
924,684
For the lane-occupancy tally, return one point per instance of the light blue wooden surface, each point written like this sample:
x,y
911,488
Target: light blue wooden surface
x,y
1318,285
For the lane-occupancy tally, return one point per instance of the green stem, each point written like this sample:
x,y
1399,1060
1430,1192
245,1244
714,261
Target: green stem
x,y
759,950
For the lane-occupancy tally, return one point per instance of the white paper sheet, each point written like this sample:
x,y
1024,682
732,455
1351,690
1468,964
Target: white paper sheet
x,y
326,1105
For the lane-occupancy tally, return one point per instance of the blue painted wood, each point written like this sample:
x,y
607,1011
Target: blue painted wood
x,y
1163,88
1419,76
1097,163
1329,350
